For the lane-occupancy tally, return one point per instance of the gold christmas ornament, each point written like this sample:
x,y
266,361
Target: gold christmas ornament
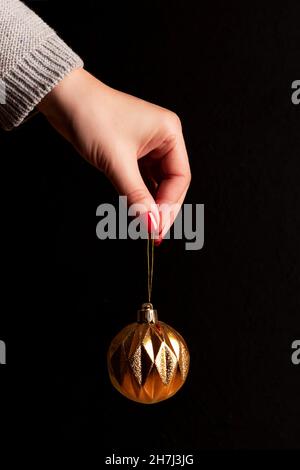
x,y
148,361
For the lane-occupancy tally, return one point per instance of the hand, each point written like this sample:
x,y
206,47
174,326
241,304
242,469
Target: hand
x,y
130,140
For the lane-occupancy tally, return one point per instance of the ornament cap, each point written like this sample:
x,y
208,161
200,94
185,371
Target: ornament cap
x,y
147,314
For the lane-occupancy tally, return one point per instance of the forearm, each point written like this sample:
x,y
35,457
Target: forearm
x,y
33,60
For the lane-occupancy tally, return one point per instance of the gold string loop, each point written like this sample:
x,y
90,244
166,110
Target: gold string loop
x,y
150,265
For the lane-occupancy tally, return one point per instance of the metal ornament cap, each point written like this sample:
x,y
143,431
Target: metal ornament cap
x,y
148,361
147,314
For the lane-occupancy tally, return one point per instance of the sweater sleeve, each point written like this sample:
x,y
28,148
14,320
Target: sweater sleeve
x,y
33,59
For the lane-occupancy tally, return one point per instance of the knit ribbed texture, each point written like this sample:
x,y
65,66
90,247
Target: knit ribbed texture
x,y
33,59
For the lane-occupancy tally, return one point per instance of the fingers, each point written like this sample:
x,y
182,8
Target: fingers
x,y
167,165
168,215
175,179
126,177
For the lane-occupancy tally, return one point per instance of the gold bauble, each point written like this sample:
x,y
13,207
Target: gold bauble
x,y
148,361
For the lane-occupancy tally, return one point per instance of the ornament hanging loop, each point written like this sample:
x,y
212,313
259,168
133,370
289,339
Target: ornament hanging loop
x,y
150,264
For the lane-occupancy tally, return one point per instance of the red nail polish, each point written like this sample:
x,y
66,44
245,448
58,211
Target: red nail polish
x,y
152,225
158,241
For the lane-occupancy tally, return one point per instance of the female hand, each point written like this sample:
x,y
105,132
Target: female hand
x,y
130,140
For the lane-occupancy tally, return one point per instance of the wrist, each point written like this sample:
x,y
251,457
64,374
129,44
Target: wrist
x,y
60,105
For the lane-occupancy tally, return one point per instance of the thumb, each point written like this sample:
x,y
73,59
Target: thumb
x,y
126,177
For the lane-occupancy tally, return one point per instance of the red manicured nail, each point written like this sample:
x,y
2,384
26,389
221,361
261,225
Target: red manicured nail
x,y
158,241
152,224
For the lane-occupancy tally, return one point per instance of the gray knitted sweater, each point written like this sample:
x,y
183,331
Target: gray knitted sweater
x,y
33,59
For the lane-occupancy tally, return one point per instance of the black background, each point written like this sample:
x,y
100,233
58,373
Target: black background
x,y
226,68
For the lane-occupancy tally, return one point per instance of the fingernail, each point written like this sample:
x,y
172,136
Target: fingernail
x,y
152,224
158,241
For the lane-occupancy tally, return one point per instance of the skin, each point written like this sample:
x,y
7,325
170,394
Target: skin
x,y
139,146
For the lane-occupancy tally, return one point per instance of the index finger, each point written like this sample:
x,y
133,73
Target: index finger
x,y
175,179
